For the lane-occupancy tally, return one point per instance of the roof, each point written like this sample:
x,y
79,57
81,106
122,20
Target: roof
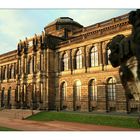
x,y
63,20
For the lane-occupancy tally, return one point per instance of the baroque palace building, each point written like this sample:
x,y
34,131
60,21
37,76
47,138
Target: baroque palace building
x,y
65,68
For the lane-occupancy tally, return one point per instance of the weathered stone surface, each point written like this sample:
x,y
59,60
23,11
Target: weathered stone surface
x,y
38,72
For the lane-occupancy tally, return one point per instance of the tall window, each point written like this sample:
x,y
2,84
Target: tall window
x,y
41,92
34,63
63,91
92,90
65,62
41,61
77,90
2,98
5,73
25,92
25,65
79,59
111,88
107,56
19,66
12,71
9,96
0,74
94,56
17,93
34,97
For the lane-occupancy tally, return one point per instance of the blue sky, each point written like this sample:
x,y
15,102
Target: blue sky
x,y
16,24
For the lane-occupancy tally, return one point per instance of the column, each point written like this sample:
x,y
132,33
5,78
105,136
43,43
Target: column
x,y
85,58
73,61
59,63
100,55
21,65
25,64
43,58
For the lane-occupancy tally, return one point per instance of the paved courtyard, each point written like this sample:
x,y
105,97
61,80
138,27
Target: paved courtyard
x,y
10,120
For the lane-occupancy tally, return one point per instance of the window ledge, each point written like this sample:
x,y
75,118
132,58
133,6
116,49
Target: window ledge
x,y
93,69
67,72
76,71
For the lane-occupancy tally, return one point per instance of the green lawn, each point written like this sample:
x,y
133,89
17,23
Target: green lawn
x,y
119,121
6,129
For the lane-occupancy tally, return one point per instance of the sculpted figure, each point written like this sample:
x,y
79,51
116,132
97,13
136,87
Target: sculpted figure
x,y
125,52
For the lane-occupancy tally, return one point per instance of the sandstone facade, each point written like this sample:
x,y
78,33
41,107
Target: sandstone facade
x,y
65,68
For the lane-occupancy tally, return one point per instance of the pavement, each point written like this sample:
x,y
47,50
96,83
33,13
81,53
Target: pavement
x,y
28,125
10,120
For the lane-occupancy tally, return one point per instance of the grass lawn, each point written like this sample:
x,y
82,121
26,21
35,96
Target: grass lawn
x,y
119,121
6,129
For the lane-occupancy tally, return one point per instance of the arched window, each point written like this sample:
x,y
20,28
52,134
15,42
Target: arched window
x,y
34,97
94,56
5,73
78,58
111,88
19,66
107,56
12,71
17,93
65,62
25,65
63,91
24,92
0,74
9,97
77,90
2,98
92,90
41,92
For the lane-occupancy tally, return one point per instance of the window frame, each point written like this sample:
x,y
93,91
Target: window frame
x,y
94,57
111,88
92,90
78,59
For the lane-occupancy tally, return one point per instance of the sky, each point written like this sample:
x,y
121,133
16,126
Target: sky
x,y
16,24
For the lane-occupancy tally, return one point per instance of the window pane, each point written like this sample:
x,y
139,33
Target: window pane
x,y
92,90
94,57
111,89
63,91
65,61
79,59
77,90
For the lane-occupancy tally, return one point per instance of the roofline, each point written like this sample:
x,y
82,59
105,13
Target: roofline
x,y
8,53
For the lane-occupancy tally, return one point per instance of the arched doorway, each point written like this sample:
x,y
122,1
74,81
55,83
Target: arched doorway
x,y
76,95
92,95
63,90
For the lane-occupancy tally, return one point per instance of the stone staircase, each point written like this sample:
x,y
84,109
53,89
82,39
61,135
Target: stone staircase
x,y
17,113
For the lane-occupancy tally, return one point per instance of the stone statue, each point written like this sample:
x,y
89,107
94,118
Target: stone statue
x,y
125,52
